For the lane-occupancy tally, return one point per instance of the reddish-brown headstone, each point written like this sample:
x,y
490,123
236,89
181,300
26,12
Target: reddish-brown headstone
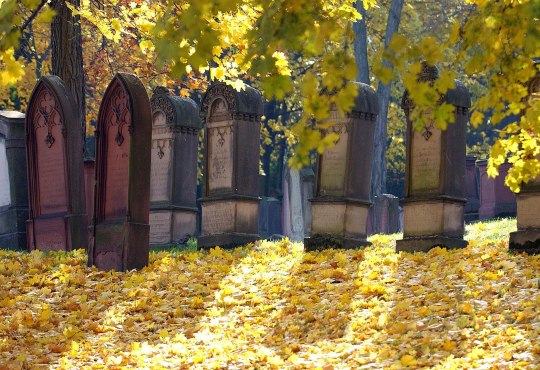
x,y
120,235
57,217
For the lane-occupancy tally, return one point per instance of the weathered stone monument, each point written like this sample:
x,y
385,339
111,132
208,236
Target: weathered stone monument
x,y
13,181
294,212
385,214
270,217
496,199
527,237
89,176
120,234
435,176
173,182
230,202
472,185
343,181
54,146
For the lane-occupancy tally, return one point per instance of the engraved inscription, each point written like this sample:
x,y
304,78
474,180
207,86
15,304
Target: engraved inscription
x,y
160,227
5,196
116,186
117,126
328,218
218,217
160,180
220,153
51,171
334,162
426,160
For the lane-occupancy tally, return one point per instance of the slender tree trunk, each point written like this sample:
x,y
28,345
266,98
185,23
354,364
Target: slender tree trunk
x,y
360,45
67,59
378,174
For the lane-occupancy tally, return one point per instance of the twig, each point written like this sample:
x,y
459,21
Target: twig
x,y
33,15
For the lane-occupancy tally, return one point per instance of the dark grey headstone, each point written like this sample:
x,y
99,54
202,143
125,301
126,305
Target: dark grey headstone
x,y
13,181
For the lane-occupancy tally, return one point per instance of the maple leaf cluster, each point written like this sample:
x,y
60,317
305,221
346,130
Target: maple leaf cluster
x,y
272,305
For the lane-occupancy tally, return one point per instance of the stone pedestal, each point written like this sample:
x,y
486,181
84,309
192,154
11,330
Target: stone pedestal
x,y
54,146
120,236
173,181
473,189
341,204
527,236
230,202
496,199
13,181
435,192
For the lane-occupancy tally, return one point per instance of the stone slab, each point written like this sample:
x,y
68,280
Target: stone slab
x,y
326,241
527,241
425,243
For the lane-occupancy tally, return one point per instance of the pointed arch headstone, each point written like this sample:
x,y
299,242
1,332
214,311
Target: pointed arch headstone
x,y
120,234
54,145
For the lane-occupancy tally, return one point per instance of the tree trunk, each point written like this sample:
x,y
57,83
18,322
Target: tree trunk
x,y
378,173
360,45
67,59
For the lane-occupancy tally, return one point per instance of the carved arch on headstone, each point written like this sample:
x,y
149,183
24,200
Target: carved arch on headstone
x,y
219,99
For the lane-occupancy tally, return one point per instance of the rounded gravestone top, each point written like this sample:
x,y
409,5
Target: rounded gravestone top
x,y
366,101
247,101
179,112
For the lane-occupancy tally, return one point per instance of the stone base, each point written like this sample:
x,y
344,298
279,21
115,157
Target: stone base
x,y
470,217
425,243
120,246
225,241
326,241
13,241
13,228
527,240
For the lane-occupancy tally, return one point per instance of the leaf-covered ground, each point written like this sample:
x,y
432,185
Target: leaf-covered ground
x,y
272,305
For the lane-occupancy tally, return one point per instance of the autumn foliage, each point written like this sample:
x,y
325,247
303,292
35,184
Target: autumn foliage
x,y
271,305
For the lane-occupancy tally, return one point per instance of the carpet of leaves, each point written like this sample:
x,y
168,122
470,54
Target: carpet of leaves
x,y
271,305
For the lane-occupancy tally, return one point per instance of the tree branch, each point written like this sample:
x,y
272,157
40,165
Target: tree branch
x,y
33,15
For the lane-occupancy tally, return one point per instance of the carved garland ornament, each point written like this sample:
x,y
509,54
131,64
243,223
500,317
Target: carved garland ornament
x,y
47,114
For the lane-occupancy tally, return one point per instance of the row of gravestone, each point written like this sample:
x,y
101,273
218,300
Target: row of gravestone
x,y
146,163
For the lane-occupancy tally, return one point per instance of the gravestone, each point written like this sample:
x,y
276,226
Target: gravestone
x,y
527,236
89,176
293,217
54,146
13,181
472,184
173,181
343,182
496,199
270,217
435,176
385,214
120,234
230,202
